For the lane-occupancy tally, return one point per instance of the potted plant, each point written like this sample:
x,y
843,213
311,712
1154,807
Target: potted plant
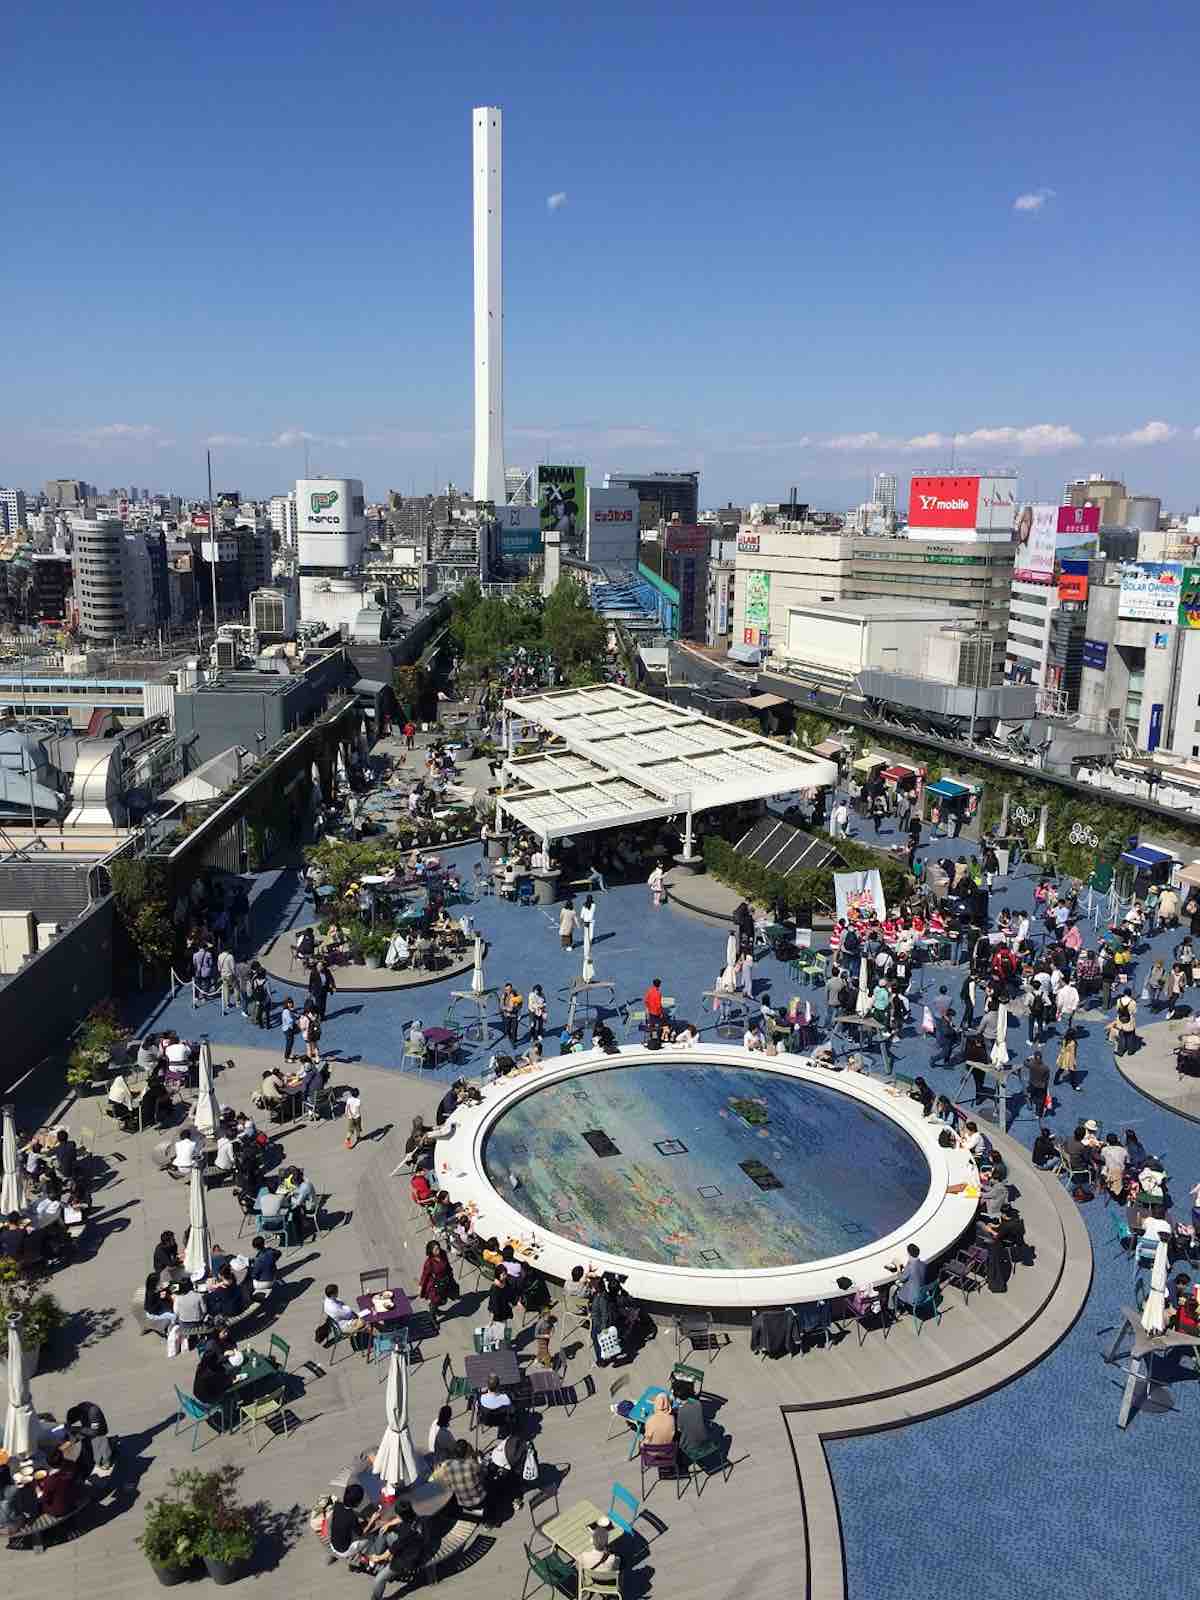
x,y
374,949
225,1541
99,1037
169,1540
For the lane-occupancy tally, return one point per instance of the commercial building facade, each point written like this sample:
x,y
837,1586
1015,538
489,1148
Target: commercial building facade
x,y
661,495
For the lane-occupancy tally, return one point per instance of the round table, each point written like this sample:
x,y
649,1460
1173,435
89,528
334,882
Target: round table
x,y
426,1497
440,1041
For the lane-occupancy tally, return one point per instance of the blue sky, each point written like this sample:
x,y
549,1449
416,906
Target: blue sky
x,y
793,246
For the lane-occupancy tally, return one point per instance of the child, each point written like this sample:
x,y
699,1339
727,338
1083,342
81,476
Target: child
x,y
542,1333
353,1108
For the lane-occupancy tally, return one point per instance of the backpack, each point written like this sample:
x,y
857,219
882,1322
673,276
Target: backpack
x,y
314,1030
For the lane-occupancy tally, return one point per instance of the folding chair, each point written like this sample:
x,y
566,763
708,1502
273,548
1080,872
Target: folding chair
x,y
696,1330
682,1374
624,1509
554,1572
193,1414
616,1387
544,1497
928,1299
966,1271
660,1460
703,1461
278,1351
457,1387
265,1408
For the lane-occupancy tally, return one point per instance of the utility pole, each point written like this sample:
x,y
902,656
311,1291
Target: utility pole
x,y
212,534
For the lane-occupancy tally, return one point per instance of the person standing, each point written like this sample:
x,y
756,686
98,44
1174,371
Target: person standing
x,y
656,883
839,820
352,1105
410,735
287,1021
878,810
1125,1026
566,925
202,966
536,1007
587,917
321,984
510,1011
231,994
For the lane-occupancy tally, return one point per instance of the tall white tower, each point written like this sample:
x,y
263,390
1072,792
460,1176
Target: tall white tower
x,y
489,307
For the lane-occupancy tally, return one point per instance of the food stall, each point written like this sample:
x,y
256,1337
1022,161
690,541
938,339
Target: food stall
x,y
950,801
1141,865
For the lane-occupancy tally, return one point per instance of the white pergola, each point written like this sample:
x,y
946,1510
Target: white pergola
x,y
623,757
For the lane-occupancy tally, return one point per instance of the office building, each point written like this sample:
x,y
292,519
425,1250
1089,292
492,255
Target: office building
x,y
53,593
282,515
518,486
330,537
69,494
883,495
489,305
661,495
12,510
99,568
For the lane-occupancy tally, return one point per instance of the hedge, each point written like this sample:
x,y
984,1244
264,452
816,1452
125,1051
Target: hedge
x,y
800,891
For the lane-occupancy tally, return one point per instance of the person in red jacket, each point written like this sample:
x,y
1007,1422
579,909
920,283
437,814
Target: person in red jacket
x,y
653,1001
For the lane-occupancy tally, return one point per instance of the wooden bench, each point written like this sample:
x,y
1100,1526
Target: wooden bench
x,y
37,1530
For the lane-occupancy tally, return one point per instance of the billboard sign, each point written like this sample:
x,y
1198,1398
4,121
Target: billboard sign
x,y
1095,654
613,524
1035,536
997,504
686,538
1079,519
330,505
1189,598
561,498
1073,581
758,599
1154,732
520,530
1150,591
943,502
747,542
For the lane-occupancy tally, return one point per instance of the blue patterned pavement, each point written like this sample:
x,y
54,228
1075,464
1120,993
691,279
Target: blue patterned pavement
x,y
1004,1497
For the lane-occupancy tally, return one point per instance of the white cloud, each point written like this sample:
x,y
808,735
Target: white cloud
x,y
557,200
1032,199
1148,433
290,437
228,441
928,441
763,444
1037,439
855,441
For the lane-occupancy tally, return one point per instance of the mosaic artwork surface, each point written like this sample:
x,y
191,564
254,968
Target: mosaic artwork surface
x,y
705,1165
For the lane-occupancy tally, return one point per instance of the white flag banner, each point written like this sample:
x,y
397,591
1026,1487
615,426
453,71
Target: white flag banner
x,y
859,894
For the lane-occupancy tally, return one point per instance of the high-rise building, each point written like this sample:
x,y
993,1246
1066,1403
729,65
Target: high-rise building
x,y
52,578
115,586
282,512
489,306
12,510
518,486
331,533
883,494
662,495
69,494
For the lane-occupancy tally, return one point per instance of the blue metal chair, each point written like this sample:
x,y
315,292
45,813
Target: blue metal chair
x,y
525,892
384,1342
194,1414
928,1299
623,1509
1122,1231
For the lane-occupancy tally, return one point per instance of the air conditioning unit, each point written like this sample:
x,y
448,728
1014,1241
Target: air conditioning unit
x,y
225,653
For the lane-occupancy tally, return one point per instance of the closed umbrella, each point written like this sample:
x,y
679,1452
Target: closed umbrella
x,y
862,1004
1000,1049
208,1107
589,971
1003,830
1154,1312
477,969
1040,842
20,1426
10,1190
197,1257
395,1460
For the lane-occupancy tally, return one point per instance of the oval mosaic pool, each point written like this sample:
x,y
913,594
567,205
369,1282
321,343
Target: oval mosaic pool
x,y
705,1164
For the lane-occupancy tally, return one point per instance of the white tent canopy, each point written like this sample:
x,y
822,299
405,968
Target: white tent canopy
x,y
625,757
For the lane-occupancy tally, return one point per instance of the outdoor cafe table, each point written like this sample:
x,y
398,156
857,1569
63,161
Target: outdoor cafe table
x,y
478,1369
571,1530
255,1370
400,1312
440,1040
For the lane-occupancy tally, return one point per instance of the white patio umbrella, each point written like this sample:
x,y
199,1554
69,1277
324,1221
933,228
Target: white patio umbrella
x,y
208,1107
10,1189
395,1460
198,1256
1000,1048
589,971
1154,1312
863,1003
1004,816
1040,842
477,969
21,1429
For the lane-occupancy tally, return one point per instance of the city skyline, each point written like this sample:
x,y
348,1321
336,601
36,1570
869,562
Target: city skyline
x,y
809,295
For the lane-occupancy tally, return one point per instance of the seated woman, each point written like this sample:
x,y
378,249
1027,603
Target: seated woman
x,y
659,1427
333,941
271,1089
122,1102
398,952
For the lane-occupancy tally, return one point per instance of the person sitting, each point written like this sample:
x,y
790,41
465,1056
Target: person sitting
x,y
179,1054
398,952
752,1039
1186,1310
347,1523
599,1558
495,1402
59,1491
123,1103
344,1317
463,1476
224,1157
186,1151
15,1238
442,1443
333,941
272,1089
604,1039
660,1424
271,1200
18,1501
687,1038
911,1279
1045,1148
420,1189
226,1298
306,945
157,1309
691,1426
398,1549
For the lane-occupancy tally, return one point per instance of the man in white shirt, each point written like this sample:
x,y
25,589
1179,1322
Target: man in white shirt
x,y
972,1141
1068,1002
179,1054
223,1160
186,1149
752,1039
839,817
338,1312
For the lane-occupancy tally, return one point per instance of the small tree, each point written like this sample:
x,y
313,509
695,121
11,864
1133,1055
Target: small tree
x,y
140,891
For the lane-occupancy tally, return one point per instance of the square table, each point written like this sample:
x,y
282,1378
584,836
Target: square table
x,y
570,1531
440,1039
256,1369
400,1312
644,1404
478,1369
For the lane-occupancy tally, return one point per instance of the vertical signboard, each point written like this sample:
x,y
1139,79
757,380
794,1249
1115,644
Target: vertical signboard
x,y
1189,598
758,599
520,530
562,498
1035,537
612,527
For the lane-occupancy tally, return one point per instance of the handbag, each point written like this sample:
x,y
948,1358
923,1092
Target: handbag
x,y
531,1471
610,1343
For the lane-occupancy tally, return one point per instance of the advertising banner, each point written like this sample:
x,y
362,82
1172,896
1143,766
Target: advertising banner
x,y
562,496
330,505
1154,732
1095,654
943,502
1189,598
1079,519
520,530
613,526
859,894
1073,581
1150,591
758,598
1035,538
